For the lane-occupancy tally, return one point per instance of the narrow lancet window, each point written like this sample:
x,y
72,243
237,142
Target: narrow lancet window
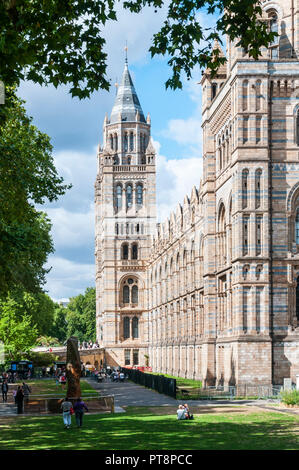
x,y
245,235
131,141
258,175
126,327
125,142
135,327
118,196
245,95
244,188
129,194
258,235
139,194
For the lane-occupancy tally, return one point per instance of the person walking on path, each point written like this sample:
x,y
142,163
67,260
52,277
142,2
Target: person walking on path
x,y
66,407
79,408
19,400
4,389
26,392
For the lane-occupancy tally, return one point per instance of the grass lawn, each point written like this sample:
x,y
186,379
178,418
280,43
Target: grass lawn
x,y
155,429
48,386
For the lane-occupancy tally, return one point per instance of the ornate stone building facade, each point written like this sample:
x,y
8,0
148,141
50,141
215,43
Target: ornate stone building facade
x,y
218,282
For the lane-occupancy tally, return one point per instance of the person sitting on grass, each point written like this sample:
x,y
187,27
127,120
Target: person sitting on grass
x,y
187,412
181,412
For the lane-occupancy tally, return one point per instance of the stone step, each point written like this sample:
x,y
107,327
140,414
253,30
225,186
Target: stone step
x,y
7,409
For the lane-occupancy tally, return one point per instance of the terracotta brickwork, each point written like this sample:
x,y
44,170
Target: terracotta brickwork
x,y
217,281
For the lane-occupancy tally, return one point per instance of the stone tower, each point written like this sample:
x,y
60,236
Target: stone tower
x,y
125,198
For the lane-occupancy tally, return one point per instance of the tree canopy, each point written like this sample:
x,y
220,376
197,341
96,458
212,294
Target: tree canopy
x,y
81,316
61,41
58,328
27,177
16,331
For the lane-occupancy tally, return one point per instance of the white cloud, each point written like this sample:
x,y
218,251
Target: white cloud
x,y
78,168
175,179
185,131
137,30
67,278
72,229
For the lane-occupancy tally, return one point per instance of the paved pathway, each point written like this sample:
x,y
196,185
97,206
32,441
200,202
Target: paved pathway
x,y
8,409
131,394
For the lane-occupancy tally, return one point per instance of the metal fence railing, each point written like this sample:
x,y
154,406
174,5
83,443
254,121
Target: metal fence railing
x,y
156,382
240,391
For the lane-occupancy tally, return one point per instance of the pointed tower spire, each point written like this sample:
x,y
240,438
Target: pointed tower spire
x,y
126,103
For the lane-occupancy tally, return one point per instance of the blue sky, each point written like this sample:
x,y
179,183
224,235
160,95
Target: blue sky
x,y
75,128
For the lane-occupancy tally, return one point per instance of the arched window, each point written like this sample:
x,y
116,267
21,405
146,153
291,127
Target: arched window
x,y
118,196
244,188
111,141
139,194
273,26
258,271
245,271
192,260
135,327
245,95
258,175
129,160
116,159
125,251
126,294
134,251
129,195
222,236
129,288
126,327
115,142
220,154
131,141
245,129
135,294
214,90
258,86
125,142
245,234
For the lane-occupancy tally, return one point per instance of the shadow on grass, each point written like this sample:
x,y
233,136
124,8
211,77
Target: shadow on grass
x,y
196,410
143,431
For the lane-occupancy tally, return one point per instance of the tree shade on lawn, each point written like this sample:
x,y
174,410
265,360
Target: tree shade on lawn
x,y
147,430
